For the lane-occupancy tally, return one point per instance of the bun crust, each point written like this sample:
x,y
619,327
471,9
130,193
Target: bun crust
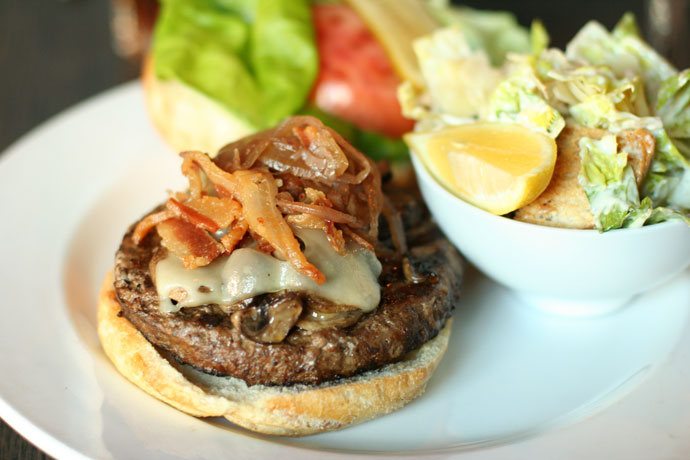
x,y
286,411
186,118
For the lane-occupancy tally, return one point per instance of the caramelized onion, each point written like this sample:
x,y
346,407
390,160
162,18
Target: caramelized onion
x,y
300,145
256,190
395,225
300,170
333,234
322,212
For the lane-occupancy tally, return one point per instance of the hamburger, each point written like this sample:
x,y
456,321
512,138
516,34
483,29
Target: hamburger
x,y
289,289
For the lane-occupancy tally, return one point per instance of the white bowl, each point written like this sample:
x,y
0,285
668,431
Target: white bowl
x,y
564,271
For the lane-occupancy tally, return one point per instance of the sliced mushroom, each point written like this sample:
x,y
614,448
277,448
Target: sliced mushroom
x,y
268,323
320,314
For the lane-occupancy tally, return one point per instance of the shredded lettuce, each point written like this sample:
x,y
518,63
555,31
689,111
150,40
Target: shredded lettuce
x,y
256,58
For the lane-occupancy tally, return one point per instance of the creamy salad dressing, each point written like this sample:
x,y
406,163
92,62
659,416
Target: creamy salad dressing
x,y
351,279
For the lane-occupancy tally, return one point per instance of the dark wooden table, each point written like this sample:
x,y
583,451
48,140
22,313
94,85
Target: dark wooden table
x,y
56,53
52,55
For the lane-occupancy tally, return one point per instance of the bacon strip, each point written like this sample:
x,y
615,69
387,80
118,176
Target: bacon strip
x,y
191,215
147,223
235,235
188,242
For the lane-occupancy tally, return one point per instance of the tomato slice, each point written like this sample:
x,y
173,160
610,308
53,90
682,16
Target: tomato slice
x,y
356,80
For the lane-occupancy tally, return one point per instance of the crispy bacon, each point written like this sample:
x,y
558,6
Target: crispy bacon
x,y
191,215
209,212
188,242
235,234
147,223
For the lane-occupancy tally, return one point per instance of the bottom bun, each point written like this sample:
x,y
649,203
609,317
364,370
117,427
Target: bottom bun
x,y
286,411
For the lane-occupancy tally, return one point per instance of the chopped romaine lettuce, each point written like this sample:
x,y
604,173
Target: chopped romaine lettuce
x,y
623,51
496,33
667,181
673,104
459,80
627,26
519,99
609,182
538,37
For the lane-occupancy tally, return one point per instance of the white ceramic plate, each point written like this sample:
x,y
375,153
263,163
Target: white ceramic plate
x,y
514,383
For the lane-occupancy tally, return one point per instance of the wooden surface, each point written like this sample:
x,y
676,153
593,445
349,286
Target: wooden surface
x,y
52,55
56,53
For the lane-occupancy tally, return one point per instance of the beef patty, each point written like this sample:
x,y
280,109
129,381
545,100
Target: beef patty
x,y
411,312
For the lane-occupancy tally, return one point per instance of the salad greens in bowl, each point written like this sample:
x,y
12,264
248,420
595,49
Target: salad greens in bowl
x,y
614,219
621,97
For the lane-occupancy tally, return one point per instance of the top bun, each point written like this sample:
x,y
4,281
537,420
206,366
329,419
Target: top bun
x,y
186,118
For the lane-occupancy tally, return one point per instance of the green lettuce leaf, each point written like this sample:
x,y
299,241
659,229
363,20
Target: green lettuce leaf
x,y
673,104
538,37
520,99
667,182
459,80
624,51
609,182
256,58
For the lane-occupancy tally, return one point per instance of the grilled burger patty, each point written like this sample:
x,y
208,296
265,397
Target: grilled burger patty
x,y
412,311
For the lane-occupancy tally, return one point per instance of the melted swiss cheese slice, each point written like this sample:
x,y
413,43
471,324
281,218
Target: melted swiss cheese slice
x,y
351,278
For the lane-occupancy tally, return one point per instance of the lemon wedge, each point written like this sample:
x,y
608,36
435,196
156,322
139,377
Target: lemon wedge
x,y
498,167
397,24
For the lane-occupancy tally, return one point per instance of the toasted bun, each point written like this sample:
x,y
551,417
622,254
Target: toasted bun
x,y
186,118
286,411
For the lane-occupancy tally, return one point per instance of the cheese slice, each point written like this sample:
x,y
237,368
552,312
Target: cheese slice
x,y
351,278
